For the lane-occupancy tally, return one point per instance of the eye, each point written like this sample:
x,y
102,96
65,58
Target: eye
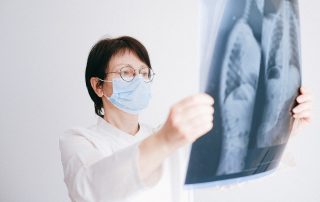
x,y
147,74
125,72
145,71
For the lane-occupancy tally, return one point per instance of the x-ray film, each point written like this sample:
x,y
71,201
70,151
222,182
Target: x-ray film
x,y
250,64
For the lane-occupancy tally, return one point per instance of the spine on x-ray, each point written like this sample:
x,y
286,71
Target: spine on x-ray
x,y
238,87
282,73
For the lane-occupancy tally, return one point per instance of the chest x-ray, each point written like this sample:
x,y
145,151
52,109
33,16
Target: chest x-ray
x,y
251,66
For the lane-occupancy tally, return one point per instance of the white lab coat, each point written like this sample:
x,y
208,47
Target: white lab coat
x,y
100,164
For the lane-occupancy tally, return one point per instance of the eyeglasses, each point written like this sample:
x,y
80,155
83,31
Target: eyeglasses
x,y
128,73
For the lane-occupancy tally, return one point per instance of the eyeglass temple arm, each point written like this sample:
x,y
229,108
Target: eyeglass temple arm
x,y
104,80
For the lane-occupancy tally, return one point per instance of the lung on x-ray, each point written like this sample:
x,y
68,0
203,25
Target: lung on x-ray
x,y
250,64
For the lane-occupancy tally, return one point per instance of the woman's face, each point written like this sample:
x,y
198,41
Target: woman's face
x,y
116,63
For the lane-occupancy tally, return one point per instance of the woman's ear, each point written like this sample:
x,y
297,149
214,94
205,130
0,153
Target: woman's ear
x,y
96,86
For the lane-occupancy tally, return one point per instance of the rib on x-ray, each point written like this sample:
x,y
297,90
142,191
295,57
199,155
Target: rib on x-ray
x,y
280,46
239,75
251,66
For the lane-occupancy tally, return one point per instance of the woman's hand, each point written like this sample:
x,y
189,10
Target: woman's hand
x,y
302,112
189,119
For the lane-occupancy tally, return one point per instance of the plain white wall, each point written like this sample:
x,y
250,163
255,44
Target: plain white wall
x,y
43,50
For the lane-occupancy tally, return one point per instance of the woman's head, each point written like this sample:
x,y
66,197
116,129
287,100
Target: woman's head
x,y
109,55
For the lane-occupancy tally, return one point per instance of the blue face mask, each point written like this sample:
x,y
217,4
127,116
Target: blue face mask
x,y
131,97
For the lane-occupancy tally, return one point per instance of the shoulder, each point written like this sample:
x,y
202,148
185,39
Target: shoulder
x,y
73,137
82,143
79,137
73,134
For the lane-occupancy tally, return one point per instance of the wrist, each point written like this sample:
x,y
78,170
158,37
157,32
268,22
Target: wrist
x,y
163,142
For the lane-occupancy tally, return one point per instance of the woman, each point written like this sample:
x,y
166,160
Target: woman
x,y
121,159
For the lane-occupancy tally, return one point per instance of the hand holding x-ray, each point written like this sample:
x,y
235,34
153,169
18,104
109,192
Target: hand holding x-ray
x,y
302,113
251,65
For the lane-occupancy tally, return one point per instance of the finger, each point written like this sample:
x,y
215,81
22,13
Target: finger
x,y
302,107
196,122
304,98
304,90
306,120
199,122
200,110
200,98
304,114
301,122
201,130
191,113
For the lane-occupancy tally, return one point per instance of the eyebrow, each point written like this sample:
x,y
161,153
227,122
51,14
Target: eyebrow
x,y
122,64
126,64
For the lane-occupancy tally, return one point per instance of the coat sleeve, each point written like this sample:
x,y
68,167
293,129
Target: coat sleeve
x,y
91,176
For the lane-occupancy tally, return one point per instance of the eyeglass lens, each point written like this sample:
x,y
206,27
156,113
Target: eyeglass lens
x,y
128,73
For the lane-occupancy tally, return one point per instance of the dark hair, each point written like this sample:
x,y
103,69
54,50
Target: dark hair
x,y
99,58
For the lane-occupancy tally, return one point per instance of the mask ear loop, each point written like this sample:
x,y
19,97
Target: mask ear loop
x,y
103,95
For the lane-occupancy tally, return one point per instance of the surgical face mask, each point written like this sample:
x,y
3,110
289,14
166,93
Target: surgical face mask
x,y
131,97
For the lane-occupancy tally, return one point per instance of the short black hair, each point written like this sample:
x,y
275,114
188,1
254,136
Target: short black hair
x,y
100,56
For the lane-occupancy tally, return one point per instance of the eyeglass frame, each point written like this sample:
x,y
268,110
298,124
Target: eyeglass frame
x,y
119,72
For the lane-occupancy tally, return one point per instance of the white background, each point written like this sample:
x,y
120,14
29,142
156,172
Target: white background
x,y
43,50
